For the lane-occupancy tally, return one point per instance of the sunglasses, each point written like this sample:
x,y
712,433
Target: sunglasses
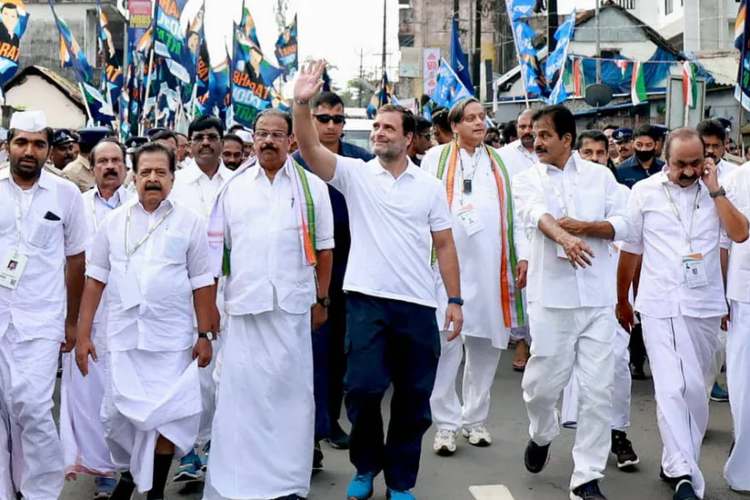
x,y
325,118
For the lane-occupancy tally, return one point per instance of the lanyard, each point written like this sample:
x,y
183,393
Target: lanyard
x,y
467,182
129,253
688,230
546,181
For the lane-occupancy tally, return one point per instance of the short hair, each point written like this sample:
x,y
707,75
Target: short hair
x,y
456,114
647,131
330,99
8,5
49,131
108,140
162,135
683,134
235,138
408,122
712,127
155,147
204,123
277,113
180,134
562,119
609,126
422,124
508,130
594,135
440,120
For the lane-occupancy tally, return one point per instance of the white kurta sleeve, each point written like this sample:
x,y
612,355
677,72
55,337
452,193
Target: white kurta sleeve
x,y
97,260
198,266
440,215
634,220
323,216
346,168
528,198
616,207
75,228
520,239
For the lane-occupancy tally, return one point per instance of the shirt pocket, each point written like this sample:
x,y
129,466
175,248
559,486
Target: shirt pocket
x,y
7,221
175,247
45,233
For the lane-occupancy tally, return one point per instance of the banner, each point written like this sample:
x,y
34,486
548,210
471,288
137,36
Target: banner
x,y
449,89
15,18
523,36
248,52
286,48
71,55
430,66
112,78
742,42
169,39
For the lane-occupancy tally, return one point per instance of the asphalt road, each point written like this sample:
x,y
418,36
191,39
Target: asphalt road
x,y
502,463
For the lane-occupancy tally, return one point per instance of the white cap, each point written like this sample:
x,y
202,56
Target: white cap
x,y
245,135
28,121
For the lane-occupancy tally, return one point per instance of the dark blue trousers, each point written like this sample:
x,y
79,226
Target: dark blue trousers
x,y
389,342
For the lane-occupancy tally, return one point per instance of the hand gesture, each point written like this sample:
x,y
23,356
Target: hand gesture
x,y
710,175
309,82
84,349
625,316
578,251
455,316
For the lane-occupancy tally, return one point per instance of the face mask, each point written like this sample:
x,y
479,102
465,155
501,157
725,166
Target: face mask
x,y
644,155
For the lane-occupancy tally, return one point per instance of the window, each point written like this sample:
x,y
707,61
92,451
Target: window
x,y
626,4
668,7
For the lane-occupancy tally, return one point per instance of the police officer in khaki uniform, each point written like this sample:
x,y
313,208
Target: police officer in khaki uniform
x,y
80,171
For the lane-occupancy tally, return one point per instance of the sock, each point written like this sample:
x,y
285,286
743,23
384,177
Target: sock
x,y
161,471
124,488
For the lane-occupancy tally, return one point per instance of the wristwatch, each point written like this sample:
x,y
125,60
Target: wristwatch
x,y
207,335
720,192
456,300
324,301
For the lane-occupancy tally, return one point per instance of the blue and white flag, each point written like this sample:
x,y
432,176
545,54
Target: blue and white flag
x,y
459,60
528,56
554,70
449,88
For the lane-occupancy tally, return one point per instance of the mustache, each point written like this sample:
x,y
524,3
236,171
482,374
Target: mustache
x,y
270,147
153,187
540,150
110,173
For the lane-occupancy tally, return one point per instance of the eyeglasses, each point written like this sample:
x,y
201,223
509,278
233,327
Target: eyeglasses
x,y
203,137
325,118
276,135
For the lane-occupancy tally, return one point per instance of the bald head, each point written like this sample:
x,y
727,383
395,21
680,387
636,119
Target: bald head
x,y
525,129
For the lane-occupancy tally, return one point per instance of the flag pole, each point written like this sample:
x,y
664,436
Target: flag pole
x,y
148,91
518,56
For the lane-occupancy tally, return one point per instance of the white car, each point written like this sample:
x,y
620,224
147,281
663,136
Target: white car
x,y
357,131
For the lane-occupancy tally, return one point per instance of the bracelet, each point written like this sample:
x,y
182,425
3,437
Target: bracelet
x,y
301,103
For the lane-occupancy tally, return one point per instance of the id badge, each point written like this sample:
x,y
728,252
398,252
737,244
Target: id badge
x,y
11,269
469,218
130,292
694,269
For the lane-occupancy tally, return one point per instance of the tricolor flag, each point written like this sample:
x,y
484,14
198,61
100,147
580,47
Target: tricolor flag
x,y
638,93
578,82
71,55
689,85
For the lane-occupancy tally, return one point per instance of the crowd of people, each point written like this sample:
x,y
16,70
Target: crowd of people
x,y
218,296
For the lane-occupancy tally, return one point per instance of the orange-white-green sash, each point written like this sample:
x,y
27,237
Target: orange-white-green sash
x,y
511,299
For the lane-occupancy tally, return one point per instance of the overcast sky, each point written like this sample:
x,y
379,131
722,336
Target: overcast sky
x,y
332,29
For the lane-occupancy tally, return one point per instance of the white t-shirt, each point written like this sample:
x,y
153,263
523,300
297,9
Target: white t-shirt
x,y
391,221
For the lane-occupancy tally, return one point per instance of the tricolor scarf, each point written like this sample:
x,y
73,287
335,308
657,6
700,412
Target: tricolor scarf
x,y
219,252
511,300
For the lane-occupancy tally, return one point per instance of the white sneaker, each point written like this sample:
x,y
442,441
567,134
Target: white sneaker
x,y
445,442
478,435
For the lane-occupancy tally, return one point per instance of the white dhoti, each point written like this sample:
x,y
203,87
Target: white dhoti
x,y
621,388
28,371
681,354
564,340
6,481
82,434
207,377
737,468
151,394
262,438
479,373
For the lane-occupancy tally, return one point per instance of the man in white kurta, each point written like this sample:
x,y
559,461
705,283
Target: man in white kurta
x,y
153,253
738,342
81,432
576,209
195,186
42,240
490,245
676,219
275,220
519,156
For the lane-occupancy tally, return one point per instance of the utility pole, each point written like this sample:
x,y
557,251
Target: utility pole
x,y
477,56
385,17
361,77
551,25
455,9
598,46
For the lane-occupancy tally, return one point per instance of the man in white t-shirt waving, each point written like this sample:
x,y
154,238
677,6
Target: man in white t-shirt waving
x,y
397,213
